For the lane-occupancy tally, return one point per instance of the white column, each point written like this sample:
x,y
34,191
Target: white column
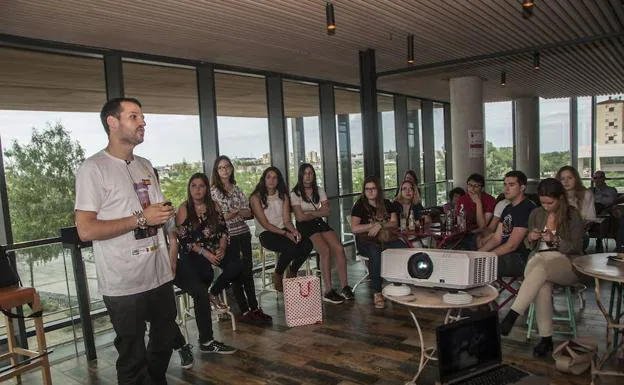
x,y
526,139
468,137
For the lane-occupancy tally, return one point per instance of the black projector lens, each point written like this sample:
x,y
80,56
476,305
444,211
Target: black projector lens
x,y
420,266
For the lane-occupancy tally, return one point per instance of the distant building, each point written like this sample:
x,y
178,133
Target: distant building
x,y
610,135
313,157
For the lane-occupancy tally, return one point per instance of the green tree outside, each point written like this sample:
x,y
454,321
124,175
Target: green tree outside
x,y
41,188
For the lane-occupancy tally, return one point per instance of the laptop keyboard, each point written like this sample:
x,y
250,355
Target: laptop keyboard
x,y
500,376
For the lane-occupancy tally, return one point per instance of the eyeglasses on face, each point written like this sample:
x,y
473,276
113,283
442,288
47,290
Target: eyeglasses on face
x,y
474,185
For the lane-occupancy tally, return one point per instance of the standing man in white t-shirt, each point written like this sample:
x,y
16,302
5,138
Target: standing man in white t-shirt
x,y
119,206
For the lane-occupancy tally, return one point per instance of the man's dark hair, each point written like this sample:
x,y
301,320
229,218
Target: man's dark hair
x,y
113,108
478,178
519,175
456,191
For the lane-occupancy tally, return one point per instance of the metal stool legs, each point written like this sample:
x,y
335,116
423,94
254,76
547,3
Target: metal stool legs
x,y
570,317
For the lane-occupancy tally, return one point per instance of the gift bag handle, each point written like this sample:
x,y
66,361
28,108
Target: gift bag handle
x,y
305,295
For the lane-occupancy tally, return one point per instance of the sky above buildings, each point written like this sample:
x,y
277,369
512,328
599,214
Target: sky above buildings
x,y
173,138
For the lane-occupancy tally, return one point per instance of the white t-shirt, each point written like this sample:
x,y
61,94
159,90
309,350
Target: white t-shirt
x,y
500,206
124,265
307,206
274,213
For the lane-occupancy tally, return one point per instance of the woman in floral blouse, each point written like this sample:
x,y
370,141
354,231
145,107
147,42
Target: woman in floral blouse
x,y
235,208
203,239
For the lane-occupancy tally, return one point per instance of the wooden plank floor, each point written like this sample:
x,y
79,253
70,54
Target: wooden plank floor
x,y
356,345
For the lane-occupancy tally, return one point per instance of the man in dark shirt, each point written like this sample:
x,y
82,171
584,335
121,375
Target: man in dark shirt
x,y
507,242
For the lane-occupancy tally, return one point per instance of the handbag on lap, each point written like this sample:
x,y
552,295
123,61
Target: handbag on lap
x,y
302,301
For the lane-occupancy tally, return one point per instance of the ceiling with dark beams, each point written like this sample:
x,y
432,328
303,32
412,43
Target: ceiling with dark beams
x,y
288,36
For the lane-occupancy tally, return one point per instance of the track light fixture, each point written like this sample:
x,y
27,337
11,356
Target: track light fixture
x,y
536,61
410,48
527,8
528,4
503,78
331,19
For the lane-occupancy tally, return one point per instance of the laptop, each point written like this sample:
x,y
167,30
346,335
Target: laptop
x,y
469,352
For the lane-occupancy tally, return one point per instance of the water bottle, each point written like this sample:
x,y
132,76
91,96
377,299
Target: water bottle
x,y
461,221
450,221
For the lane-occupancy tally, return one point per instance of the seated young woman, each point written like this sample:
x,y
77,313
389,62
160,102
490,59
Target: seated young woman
x,y
556,238
271,209
202,237
370,214
310,205
407,203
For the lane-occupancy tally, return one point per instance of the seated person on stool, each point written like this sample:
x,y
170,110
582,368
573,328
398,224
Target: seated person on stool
x,y
369,215
310,205
489,231
407,203
578,196
270,205
604,195
202,236
556,237
506,242
477,206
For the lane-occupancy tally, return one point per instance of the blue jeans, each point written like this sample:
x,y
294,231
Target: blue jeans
x,y
373,252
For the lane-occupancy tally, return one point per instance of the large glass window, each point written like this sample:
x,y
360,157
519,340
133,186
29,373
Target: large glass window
x,y
350,157
610,138
584,116
554,130
49,109
243,126
301,107
414,136
385,107
499,144
172,136
440,152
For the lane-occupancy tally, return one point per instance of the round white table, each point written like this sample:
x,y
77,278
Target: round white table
x,y
600,268
426,298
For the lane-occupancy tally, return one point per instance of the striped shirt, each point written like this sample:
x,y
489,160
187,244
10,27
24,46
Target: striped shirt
x,y
235,200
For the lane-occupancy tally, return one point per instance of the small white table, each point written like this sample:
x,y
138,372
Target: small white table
x,y
425,298
600,268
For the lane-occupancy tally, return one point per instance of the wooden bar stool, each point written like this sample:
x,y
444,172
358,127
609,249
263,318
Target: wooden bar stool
x,y
16,297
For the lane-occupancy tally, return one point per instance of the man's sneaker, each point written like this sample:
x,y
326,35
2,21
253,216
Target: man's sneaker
x,y
262,316
347,292
217,347
186,356
333,297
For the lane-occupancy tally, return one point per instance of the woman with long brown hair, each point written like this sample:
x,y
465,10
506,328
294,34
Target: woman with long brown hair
x,y
270,205
202,239
370,214
555,238
235,208
578,195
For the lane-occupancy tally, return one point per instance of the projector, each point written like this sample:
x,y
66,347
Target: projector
x,y
451,269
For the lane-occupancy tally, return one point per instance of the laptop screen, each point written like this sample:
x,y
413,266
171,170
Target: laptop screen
x,y
468,346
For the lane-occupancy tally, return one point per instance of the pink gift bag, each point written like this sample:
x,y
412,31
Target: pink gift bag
x,y
302,301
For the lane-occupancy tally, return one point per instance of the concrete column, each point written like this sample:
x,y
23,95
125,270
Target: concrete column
x,y
526,139
468,137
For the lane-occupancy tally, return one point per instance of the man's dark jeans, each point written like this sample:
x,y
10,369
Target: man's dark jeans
x,y
137,365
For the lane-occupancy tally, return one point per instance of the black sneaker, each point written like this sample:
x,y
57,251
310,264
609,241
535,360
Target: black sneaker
x,y
186,356
333,297
347,293
217,347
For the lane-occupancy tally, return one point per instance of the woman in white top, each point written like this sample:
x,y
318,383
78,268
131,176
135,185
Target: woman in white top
x,y
578,196
310,205
271,209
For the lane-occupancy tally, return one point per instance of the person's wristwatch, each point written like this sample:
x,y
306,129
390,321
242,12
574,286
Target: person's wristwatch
x,y
141,221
